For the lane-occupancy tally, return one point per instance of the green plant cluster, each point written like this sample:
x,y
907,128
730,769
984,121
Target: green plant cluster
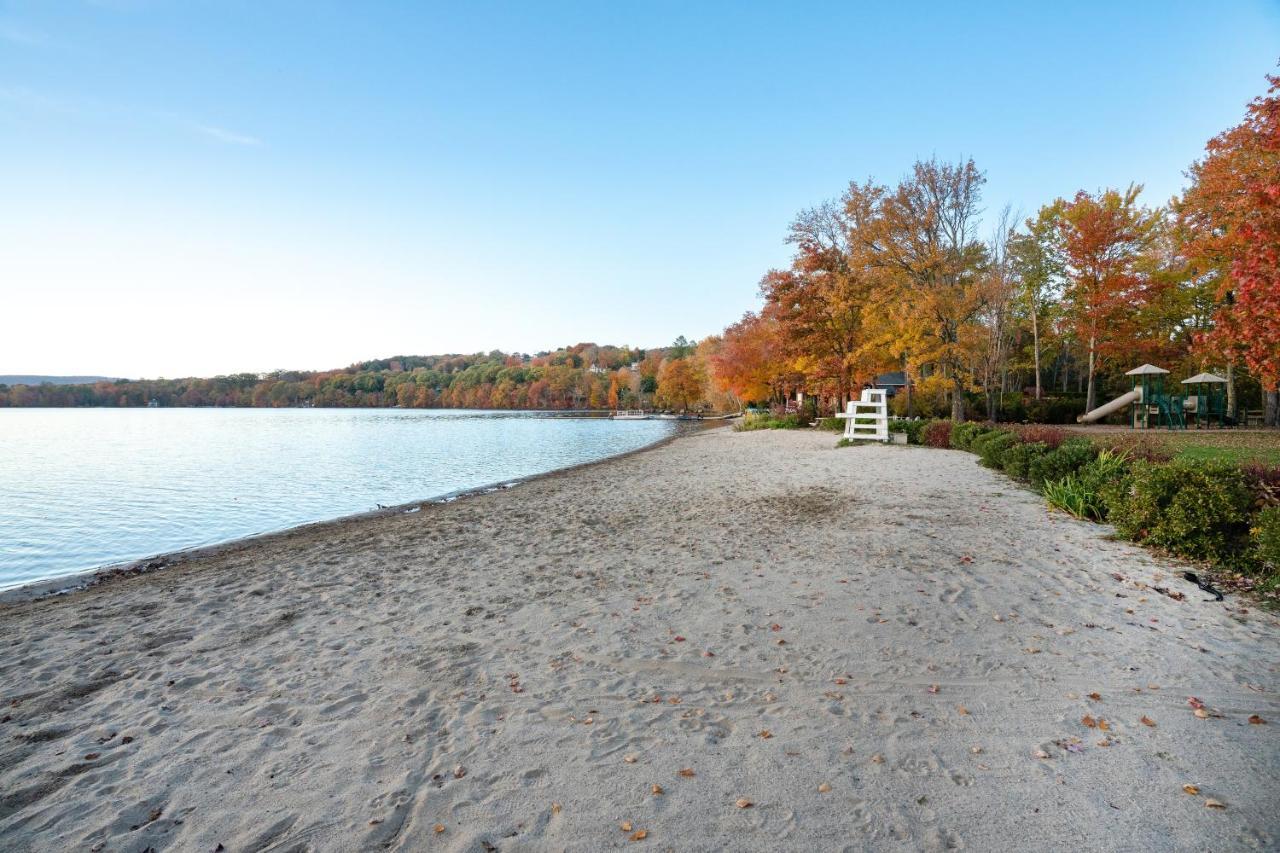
x,y
1209,510
764,420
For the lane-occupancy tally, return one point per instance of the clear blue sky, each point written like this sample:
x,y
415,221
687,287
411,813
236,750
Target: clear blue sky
x,y
206,187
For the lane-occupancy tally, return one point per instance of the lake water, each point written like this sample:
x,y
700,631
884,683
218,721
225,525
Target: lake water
x,y
82,488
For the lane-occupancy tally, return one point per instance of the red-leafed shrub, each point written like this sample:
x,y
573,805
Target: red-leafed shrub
x,y
1049,436
938,434
1263,482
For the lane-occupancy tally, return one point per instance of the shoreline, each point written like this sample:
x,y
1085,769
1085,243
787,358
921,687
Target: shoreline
x,y
881,647
84,579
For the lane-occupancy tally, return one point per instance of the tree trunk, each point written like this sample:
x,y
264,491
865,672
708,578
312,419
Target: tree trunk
x,y
1231,388
1271,417
1035,348
957,401
1091,398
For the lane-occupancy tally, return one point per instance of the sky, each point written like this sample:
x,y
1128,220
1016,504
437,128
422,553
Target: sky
x,y
196,188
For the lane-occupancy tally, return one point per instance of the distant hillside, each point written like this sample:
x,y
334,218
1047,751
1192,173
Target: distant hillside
x,y
16,379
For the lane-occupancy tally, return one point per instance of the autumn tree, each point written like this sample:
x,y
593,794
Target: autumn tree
x,y
921,239
749,362
681,382
1101,239
1231,215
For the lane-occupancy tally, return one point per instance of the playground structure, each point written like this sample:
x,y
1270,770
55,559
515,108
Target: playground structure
x,y
1153,407
867,418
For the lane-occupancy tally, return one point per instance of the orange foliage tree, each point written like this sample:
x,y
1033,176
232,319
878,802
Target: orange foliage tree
x,y
1231,213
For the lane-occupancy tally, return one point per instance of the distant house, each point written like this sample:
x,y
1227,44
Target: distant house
x,y
892,383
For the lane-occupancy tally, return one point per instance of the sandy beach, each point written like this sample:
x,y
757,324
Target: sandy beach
x,y
750,641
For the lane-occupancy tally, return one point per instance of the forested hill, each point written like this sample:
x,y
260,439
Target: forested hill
x,y
14,379
582,376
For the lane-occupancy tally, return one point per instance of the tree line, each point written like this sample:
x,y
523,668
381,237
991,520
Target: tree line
x,y
583,376
1059,303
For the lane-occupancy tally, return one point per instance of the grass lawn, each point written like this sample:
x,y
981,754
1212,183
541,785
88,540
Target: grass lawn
x,y
1211,444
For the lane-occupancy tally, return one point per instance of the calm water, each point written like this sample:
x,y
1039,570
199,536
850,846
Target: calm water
x,y
81,488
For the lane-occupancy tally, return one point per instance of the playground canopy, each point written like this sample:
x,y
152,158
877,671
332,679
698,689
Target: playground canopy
x,y
1203,378
1145,370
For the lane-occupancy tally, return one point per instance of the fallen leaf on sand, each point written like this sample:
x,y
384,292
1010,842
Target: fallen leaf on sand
x,y
1089,721
1211,803
640,835
933,688
656,789
625,826
1104,725
841,681
687,773
775,627
962,710
630,759
1040,753
1194,702
766,734
1201,713
1256,720
1106,741
824,788
555,808
1191,789
679,639
877,759
744,803
1147,721
438,828
976,750
460,771
1095,696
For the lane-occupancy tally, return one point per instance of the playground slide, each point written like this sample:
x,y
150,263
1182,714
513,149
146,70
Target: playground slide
x,y
1107,408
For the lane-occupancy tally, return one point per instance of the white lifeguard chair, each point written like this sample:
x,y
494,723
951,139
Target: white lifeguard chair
x,y
867,418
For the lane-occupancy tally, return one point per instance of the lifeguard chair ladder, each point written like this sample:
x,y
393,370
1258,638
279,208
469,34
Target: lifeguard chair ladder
x,y
867,418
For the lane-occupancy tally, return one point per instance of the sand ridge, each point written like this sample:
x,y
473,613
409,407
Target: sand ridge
x,y
847,648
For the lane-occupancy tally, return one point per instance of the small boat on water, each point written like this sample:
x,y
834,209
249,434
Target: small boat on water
x,y
629,415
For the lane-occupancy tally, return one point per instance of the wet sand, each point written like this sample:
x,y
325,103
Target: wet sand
x,y
735,640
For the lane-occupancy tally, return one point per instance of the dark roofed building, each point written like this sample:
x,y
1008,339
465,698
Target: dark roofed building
x,y
891,382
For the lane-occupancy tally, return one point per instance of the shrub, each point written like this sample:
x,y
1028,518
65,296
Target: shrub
x,y
1017,459
831,424
1071,456
1054,410
1266,539
1263,482
1198,509
1074,496
991,447
963,433
914,429
938,434
762,421
1107,477
1040,434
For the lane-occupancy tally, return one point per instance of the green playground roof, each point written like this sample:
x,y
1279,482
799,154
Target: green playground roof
x,y
1204,378
1145,370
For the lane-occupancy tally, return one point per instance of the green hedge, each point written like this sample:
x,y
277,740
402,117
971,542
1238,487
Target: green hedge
x,y
1199,509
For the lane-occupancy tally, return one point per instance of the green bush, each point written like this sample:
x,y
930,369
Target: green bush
x,y
831,424
992,446
1107,478
1071,456
963,433
914,429
767,421
1198,509
1266,539
1017,459
1054,410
